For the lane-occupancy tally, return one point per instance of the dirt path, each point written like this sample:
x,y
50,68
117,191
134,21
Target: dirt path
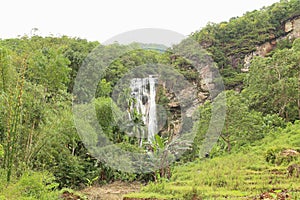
x,y
113,191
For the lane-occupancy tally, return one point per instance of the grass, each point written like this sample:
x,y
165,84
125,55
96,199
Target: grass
x,y
240,175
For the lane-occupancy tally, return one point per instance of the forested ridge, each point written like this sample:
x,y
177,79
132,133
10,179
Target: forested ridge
x,y
257,156
229,42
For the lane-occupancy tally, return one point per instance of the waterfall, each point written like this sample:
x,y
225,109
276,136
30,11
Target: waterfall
x,y
152,124
143,91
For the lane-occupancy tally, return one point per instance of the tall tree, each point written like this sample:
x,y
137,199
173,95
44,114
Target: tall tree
x,y
273,83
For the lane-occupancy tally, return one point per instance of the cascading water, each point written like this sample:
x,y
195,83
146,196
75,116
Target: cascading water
x,y
152,124
143,91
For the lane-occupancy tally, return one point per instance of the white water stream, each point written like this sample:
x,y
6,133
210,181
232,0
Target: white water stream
x,y
143,90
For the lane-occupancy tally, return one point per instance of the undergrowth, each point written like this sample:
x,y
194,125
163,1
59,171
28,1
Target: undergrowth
x,y
239,175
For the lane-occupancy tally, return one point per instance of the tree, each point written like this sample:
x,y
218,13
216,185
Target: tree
x,y
104,89
242,126
273,83
109,116
12,104
48,67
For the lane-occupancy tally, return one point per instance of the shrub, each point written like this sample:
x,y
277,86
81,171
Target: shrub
x,y
33,186
276,156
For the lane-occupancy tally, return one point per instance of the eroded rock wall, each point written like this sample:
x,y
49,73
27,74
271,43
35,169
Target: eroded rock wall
x,y
292,30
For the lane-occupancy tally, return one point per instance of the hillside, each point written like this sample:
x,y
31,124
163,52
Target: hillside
x,y
257,56
232,43
257,171
81,117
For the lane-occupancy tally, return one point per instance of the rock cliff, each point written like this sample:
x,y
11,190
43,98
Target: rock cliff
x,y
292,30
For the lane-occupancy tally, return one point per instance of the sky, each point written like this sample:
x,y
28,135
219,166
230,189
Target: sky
x,y
100,20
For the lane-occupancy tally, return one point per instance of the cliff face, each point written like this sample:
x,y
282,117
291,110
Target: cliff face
x,y
185,102
292,27
292,30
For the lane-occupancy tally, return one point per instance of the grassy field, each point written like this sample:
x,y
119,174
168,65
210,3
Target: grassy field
x,y
255,172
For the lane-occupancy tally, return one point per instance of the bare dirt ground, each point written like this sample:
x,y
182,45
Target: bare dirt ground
x,y
113,191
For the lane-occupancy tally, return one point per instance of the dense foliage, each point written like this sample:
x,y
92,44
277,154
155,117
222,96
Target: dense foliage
x,y
41,151
273,83
229,42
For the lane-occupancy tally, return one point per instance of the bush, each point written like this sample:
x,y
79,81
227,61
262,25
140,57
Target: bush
x,y
276,156
33,186
270,156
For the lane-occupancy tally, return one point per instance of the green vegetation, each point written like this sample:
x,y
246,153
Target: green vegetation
x,y
276,90
258,152
251,158
229,42
244,173
37,132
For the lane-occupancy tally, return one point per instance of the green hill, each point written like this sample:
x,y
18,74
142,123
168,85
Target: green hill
x,y
257,169
255,157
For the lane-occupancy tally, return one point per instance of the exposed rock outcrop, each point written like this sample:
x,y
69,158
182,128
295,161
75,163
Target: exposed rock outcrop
x,y
292,27
187,100
289,152
292,31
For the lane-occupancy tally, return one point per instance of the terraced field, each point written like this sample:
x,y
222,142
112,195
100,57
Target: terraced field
x,y
226,178
242,175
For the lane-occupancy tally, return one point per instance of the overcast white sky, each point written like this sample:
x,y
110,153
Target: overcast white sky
x,y
102,19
